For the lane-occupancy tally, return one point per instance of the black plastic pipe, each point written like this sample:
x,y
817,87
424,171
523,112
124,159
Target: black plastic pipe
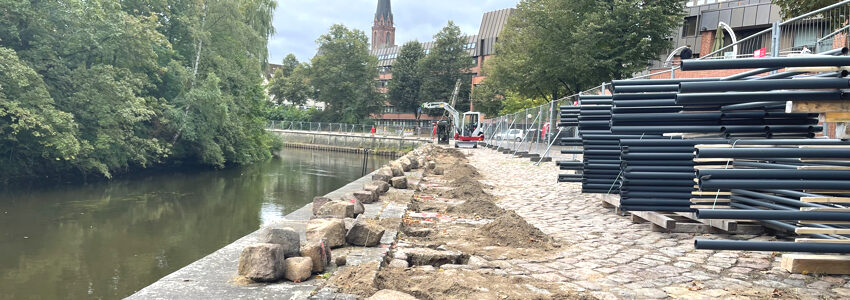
x,y
769,153
741,214
774,184
764,85
776,174
744,97
771,246
782,62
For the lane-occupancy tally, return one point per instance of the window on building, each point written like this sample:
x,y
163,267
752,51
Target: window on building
x,y
482,48
388,38
689,28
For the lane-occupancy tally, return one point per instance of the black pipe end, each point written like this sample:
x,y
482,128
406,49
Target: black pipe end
x,y
845,50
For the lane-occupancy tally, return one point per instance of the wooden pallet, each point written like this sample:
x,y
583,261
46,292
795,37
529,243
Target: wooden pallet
x,y
659,222
730,226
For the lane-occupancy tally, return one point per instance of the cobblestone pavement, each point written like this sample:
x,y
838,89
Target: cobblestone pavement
x,y
609,257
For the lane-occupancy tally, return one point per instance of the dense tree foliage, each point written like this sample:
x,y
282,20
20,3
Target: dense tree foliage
x,y
343,74
445,64
793,8
553,48
291,83
488,99
105,86
404,90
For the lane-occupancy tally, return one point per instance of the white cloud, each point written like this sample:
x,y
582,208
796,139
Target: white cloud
x,y
300,22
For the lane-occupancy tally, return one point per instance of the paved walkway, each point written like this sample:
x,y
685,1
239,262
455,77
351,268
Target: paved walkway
x,y
609,257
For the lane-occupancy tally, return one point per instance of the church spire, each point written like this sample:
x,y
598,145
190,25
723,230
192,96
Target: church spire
x,y
385,11
383,30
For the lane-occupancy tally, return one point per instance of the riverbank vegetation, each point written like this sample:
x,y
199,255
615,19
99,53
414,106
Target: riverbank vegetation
x,y
554,48
106,86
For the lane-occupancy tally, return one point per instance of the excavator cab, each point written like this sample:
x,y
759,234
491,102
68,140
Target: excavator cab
x,y
471,125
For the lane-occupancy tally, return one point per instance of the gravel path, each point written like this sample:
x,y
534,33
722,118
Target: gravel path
x,y
609,257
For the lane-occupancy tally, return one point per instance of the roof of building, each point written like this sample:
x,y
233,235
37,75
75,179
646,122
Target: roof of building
x,y
385,10
492,24
387,56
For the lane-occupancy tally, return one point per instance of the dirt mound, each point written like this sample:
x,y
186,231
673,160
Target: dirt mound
x,y
464,284
478,207
468,191
512,230
454,153
357,280
460,172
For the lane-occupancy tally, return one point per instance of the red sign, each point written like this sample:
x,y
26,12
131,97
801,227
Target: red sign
x,y
760,53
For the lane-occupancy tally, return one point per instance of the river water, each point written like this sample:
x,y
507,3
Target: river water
x,y
107,240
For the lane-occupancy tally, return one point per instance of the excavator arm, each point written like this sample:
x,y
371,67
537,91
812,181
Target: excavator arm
x,y
451,111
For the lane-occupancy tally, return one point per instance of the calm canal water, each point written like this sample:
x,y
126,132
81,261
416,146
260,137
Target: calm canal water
x,y
108,240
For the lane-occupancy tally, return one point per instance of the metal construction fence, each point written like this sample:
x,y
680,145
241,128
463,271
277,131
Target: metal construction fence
x,y
362,129
536,129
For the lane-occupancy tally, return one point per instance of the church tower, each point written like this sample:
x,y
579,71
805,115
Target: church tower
x,y
383,30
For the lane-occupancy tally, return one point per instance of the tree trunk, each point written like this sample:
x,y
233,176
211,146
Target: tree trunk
x,y
194,74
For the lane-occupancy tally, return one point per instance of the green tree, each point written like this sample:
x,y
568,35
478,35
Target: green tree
x,y
793,8
134,83
34,134
445,64
290,62
406,83
343,74
488,98
291,83
553,48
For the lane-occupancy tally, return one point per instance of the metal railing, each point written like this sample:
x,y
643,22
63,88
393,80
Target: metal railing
x,y
355,129
819,31
826,28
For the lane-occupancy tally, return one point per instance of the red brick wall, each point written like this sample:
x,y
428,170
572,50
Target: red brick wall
x,y
707,42
699,74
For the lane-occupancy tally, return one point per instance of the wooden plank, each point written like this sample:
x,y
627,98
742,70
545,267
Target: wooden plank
x,y
705,167
825,199
656,218
824,146
813,230
837,117
816,264
827,191
827,209
840,168
823,241
711,193
711,200
731,226
711,206
825,222
817,106
705,160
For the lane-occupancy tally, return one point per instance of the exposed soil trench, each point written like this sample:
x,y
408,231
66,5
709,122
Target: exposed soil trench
x,y
456,243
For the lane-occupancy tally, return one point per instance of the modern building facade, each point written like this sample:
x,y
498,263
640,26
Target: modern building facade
x,y
706,28
479,47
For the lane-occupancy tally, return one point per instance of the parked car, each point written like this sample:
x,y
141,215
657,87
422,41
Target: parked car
x,y
510,135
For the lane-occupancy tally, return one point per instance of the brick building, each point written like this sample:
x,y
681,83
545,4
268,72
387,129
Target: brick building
x,y
479,47
746,18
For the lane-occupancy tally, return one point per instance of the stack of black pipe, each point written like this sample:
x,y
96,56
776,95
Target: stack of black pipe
x,y
601,153
658,174
770,179
770,183
570,118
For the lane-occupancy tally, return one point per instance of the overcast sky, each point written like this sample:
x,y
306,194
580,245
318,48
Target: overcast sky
x,y
300,22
